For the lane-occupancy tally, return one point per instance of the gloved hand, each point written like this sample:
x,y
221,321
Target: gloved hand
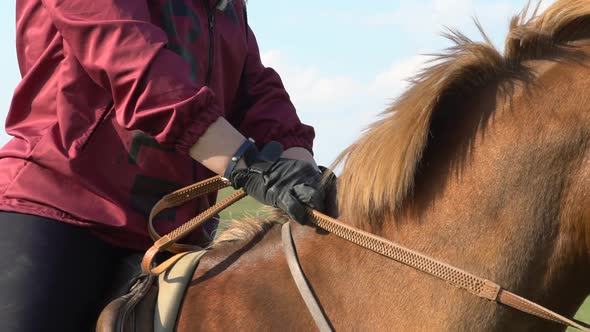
x,y
288,184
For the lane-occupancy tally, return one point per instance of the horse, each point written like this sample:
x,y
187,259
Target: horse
x,y
483,163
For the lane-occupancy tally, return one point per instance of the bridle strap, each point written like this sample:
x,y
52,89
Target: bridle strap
x,y
517,302
307,294
168,241
457,277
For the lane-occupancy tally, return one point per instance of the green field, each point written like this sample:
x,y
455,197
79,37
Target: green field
x,y
249,206
583,314
246,206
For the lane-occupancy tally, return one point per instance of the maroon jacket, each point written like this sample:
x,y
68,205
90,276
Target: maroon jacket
x,y
114,92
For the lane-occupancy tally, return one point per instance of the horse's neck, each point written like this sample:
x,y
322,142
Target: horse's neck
x,y
506,189
506,242
496,213
351,281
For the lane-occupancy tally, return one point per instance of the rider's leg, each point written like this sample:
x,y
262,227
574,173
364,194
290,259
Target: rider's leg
x,y
53,276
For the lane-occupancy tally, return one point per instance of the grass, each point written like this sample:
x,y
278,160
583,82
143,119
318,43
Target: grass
x,y
248,206
583,314
244,207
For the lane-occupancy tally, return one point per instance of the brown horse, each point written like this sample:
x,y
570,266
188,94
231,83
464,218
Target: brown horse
x,y
484,163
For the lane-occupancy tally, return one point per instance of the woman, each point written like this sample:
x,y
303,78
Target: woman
x,y
121,102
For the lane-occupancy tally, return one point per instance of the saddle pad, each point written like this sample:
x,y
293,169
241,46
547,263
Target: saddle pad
x,y
172,285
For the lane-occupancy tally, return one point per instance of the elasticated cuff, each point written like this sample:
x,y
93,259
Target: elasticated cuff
x,y
202,117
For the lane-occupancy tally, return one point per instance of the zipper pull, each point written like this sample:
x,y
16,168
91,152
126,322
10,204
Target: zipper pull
x,y
211,20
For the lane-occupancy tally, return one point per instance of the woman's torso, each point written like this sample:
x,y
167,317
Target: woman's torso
x,y
70,159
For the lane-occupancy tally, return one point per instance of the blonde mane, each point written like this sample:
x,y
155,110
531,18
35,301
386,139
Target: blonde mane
x,y
249,227
379,169
368,190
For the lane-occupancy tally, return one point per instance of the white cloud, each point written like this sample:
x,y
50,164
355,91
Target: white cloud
x,y
340,106
425,20
308,87
427,16
391,82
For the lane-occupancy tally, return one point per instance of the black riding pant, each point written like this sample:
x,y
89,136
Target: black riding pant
x,y
55,276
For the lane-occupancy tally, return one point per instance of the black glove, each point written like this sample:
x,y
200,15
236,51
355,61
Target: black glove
x,y
288,184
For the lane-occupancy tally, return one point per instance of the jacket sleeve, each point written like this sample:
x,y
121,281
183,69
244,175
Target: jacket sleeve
x,y
269,113
125,54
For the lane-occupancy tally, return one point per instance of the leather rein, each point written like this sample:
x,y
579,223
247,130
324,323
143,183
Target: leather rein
x,y
457,277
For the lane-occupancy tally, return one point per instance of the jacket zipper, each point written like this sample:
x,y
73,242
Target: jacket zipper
x,y
211,21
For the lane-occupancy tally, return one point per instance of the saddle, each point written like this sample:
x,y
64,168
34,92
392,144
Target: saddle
x,y
152,303
133,311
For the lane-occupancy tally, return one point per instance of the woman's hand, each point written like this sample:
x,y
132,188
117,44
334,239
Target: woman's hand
x,y
289,184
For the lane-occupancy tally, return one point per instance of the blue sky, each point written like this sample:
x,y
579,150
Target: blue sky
x,y
342,62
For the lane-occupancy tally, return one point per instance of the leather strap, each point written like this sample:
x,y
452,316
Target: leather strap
x,y
304,289
168,241
457,277
512,300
